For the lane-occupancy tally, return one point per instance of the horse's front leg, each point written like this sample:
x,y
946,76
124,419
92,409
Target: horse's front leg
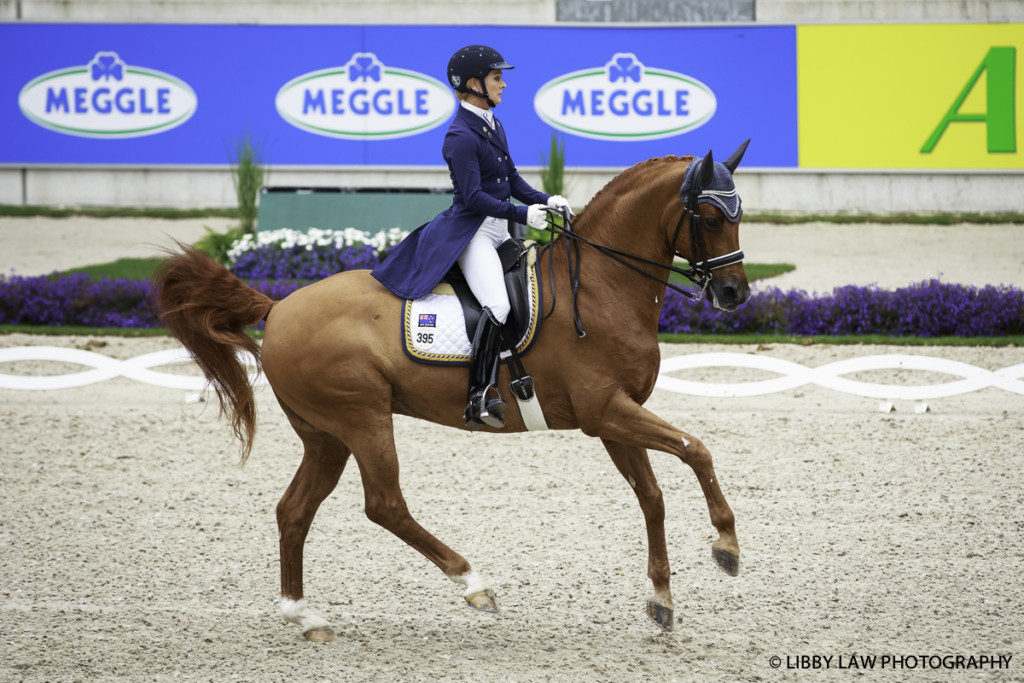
x,y
627,422
635,466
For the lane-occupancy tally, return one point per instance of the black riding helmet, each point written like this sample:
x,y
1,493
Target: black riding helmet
x,y
474,61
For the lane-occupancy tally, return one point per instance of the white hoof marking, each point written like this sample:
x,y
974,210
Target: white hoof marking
x,y
473,582
296,612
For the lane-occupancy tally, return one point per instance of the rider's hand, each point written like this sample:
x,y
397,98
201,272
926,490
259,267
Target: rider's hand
x,y
558,202
536,216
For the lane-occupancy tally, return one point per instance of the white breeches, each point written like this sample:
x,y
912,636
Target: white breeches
x,y
482,267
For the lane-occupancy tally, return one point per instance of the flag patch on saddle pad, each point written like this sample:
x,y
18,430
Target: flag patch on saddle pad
x,y
440,337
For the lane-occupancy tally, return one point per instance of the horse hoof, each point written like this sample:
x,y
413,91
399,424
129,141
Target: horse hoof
x,y
483,601
728,561
320,635
660,615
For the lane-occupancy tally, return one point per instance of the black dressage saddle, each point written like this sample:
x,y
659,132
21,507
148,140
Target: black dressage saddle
x,y
515,265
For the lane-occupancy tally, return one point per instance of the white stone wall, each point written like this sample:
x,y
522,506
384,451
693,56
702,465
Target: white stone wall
x,y
292,11
762,191
476,11
854,193
10,186
796,11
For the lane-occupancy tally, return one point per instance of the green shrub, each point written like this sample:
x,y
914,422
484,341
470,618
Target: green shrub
x,y
249,175
544,236
216,244
553,174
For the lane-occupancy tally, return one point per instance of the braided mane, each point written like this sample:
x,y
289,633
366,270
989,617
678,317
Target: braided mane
x,y
623,180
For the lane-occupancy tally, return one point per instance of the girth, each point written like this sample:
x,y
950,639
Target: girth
x,y
514,265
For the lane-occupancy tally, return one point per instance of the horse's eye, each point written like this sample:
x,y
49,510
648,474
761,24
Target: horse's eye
x,y
712,223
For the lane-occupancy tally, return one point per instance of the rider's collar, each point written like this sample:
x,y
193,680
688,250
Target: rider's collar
x,y
486,114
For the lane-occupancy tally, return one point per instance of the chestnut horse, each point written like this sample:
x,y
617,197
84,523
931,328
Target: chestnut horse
x,y
334,358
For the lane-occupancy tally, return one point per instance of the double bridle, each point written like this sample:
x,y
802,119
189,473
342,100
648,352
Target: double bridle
x,y
699,271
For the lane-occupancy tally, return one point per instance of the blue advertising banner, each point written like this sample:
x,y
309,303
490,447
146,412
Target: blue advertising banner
x,y
153,94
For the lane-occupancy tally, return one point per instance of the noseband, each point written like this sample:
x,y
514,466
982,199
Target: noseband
x,y
700,266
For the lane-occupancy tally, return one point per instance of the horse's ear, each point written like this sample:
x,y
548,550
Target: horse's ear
x,y
707,171
733,161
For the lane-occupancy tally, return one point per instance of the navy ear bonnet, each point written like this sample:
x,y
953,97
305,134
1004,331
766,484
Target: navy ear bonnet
x,y
721,191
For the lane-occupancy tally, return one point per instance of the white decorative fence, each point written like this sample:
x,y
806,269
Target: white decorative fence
x,y
830,375
104,368
791,375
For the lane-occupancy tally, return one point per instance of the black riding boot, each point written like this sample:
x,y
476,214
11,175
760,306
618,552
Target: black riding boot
x,y
483,375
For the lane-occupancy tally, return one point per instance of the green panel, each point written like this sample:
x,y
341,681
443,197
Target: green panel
x,y
371,211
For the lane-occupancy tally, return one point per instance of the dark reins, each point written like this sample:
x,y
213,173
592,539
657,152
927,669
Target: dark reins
x,y
699,272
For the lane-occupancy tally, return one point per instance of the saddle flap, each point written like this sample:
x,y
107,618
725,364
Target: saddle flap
x,y
437,328
516,269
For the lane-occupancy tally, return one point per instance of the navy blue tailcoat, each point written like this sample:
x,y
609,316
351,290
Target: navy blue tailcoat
x,y
484,178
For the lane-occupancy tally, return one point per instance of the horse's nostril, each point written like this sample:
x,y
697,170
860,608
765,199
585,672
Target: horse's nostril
x,y
730,292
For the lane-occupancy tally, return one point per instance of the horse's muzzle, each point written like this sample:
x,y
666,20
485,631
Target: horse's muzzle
x,y
729,292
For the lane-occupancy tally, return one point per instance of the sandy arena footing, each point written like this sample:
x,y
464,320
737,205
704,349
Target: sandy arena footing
x,y
133,545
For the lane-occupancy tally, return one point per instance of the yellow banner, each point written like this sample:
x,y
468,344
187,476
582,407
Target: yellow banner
x,y
911,96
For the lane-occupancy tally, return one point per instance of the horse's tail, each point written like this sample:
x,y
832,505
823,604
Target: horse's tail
x,y
207,309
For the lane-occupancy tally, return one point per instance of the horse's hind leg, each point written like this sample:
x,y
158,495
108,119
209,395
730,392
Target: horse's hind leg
x,y
635,466
322,464
374,449
629,423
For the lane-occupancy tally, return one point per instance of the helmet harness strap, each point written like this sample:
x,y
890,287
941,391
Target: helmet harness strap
x,y
482,95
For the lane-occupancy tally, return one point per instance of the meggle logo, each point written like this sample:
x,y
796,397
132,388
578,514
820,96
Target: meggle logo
x,y
107,98
365,100
625,101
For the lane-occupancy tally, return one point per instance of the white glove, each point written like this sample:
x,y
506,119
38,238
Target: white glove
x,y
558,202
536,216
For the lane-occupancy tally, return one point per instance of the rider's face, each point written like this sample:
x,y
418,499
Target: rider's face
x,y
495,84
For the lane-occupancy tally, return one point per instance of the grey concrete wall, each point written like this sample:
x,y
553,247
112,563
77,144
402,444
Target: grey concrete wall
x,y
776,192
185,188
509,11
10,186
786,11
293,11
655,10
853,193
831,192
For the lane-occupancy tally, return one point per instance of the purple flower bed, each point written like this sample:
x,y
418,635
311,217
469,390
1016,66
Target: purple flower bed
x,y
270,261
75,300
925,309
79,300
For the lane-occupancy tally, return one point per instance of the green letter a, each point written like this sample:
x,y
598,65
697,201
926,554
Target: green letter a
x,y
998,116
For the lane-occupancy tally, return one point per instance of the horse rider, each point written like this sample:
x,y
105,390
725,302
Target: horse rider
x,y
484,178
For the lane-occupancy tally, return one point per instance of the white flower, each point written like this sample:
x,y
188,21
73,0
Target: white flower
x,y
286,238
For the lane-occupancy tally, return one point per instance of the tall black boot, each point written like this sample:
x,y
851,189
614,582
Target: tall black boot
x,y
483,375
